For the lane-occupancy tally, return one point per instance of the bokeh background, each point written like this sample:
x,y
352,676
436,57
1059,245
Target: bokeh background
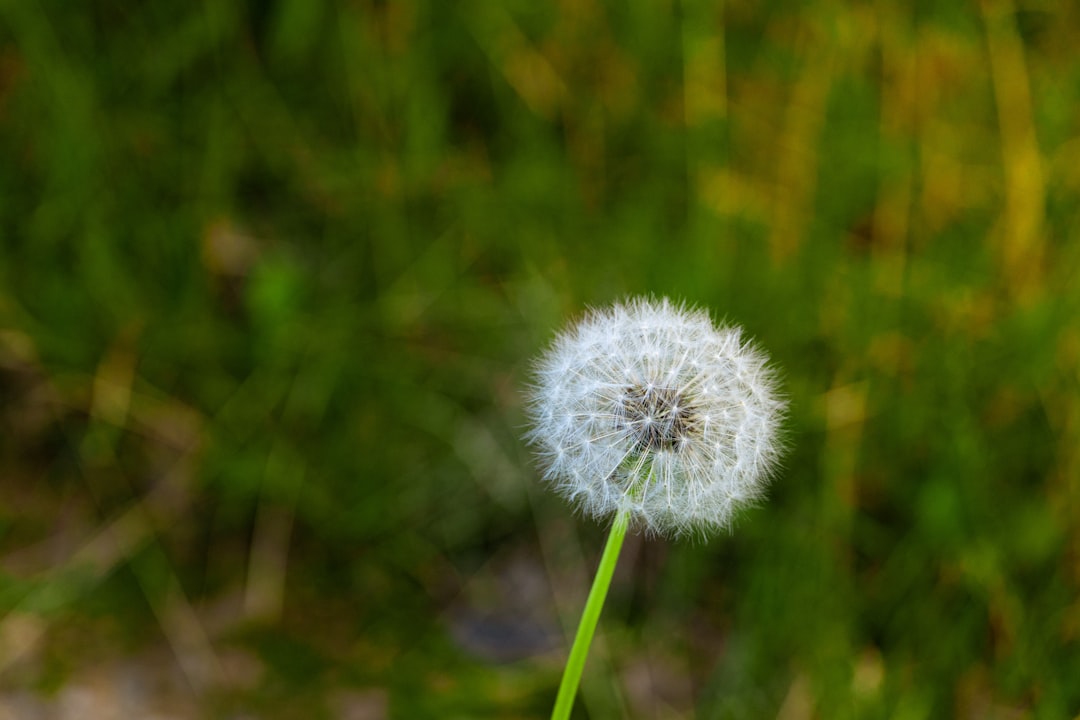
x,y
272,273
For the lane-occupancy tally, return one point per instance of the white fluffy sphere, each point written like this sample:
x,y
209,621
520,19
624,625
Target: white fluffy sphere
x,y
646,406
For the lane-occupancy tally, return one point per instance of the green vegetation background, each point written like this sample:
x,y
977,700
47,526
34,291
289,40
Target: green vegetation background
x,y
271,275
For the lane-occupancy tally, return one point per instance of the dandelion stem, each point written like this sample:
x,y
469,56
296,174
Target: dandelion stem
x,y
575,664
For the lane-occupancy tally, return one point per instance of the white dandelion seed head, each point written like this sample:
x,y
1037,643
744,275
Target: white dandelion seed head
x,y
649,407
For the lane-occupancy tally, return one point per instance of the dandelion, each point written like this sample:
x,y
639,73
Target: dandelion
x,y
647,407
647,412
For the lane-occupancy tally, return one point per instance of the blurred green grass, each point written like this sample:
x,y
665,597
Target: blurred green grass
x,y
272,274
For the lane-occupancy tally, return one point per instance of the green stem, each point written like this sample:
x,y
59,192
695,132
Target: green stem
x,y
564,703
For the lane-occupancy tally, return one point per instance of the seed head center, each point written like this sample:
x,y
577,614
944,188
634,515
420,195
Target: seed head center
x,y
658,418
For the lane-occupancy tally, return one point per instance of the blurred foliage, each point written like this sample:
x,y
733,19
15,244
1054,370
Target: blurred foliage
x,y
271,275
